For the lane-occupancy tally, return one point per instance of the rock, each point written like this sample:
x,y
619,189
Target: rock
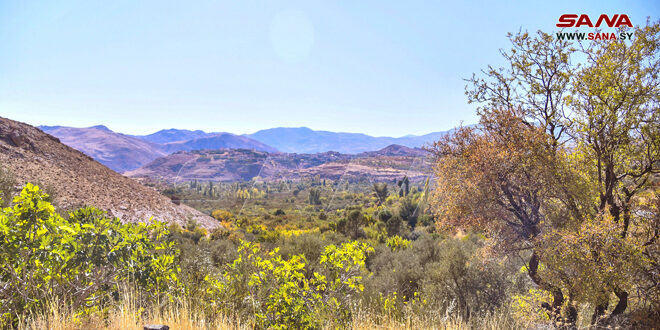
x,y
156,327
17,139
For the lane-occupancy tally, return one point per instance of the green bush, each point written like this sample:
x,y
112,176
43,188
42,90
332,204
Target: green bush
x,y
351,225
394,225
82,260
278,293
461,280
397,243
447,275
408,211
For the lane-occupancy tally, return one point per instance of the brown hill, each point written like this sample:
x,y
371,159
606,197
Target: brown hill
x,y
242,165
395,150
217,141
214,165
117,151
77,180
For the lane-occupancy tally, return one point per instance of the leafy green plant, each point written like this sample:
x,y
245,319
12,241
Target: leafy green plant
x,y
82,260
397,243
278,292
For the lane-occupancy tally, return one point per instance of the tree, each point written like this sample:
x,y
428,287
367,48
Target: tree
x,y
351,225
404,186
536,81
617,124
498,179
408,210
380,190
393,225
315,196
555,175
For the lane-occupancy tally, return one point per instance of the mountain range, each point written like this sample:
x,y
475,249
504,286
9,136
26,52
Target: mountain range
x,y
122,152
305,140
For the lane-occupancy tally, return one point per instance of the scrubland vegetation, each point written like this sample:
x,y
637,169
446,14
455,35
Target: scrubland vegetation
x,y
546,214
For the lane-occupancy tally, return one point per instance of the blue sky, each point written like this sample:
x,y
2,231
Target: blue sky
x,y
375,67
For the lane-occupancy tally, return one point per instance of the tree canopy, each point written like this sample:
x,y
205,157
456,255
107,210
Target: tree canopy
x,y
563,168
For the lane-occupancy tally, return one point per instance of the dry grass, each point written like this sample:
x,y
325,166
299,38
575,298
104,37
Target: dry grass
x,y
437,321
127,315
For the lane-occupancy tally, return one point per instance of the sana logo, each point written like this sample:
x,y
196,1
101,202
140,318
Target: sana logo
x,y
575,20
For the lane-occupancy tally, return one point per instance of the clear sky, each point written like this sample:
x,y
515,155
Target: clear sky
x,y
385,68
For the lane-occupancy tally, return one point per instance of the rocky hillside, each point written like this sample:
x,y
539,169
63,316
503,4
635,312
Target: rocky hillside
x,y
77,180
387,164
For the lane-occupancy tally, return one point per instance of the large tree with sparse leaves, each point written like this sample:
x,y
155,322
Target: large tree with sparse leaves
x,y
563,168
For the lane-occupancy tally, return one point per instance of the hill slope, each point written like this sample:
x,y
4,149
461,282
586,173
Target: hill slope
x,y
77,180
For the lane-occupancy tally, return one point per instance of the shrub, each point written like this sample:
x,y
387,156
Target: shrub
x,y
82,260
384,215
351,224
408,211
309,245
462,280
219,234
395,272
394,225
397,243
277,292
222,215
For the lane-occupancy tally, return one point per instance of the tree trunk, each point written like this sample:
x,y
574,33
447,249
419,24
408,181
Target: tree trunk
x,y
623,302
599,311
554,310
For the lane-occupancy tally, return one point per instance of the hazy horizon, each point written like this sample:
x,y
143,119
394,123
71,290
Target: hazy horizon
x,y
248,133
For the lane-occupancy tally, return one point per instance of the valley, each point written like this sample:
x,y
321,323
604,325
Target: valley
x,y
122,153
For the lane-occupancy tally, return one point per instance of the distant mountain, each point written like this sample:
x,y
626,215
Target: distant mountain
x,y
390,163
76,180
123,153
218,141
421,140
117,151
173,135
126,152
305,140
